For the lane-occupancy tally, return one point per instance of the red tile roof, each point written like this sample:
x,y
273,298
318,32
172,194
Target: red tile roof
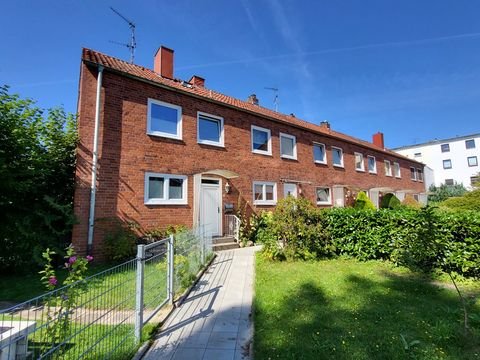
x,y
140,72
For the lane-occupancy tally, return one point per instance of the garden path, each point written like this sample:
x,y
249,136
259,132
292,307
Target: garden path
x,y
214,322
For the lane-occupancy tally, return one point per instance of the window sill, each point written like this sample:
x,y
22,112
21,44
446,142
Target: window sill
x,y
164,135
288,157
339,166
324,203
166,202
265,153
205,142
360,170
267,203
320,162
372,172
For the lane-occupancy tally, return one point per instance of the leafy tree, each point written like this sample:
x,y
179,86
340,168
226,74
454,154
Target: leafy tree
x,y
37,164
443,192
469,201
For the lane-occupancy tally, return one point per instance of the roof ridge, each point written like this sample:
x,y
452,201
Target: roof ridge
x,y
142,72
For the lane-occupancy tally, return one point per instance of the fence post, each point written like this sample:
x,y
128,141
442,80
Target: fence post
x,y
170,269
139,292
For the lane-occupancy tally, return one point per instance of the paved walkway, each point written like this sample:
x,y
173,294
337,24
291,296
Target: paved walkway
x,y
214,322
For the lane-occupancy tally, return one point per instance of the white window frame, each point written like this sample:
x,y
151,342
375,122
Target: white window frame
x,y
324,153
292,137
469,148
374,171
385,162
211,117
420,178
329,201
472,157
269,143
264,193
178,135
362,169
415,177
341,157
443,164
166,183
396,165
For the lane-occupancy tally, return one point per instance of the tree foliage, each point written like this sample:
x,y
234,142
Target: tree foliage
x,y
469,201
443,192
37,163
363,202
390,201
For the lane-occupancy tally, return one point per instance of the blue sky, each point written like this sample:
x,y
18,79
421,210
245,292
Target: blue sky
x,y
408,68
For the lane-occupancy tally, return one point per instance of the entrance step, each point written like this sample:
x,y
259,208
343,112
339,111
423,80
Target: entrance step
x,y
223,239
224,243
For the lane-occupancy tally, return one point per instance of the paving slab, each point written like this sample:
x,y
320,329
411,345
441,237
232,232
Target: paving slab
x,y
214,322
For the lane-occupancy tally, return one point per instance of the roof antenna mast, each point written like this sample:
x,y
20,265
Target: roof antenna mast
x,y
275,99
132,45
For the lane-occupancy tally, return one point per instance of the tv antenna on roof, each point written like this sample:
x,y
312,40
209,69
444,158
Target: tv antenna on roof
x,y
133,43
275,99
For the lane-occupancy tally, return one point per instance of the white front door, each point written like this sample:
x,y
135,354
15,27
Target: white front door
x,y
210,207
289,189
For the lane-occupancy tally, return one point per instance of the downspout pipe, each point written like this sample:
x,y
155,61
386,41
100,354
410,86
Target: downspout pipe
x,y
93,187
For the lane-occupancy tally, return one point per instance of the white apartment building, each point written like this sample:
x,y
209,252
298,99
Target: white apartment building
x,y
454,160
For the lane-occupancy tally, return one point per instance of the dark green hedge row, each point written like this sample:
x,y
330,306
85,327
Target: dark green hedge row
x,y
428,237
382,234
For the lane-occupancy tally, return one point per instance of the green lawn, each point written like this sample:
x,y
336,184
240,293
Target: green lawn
x,y
345,309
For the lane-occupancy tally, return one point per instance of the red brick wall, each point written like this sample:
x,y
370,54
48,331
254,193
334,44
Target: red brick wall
x,y
126,152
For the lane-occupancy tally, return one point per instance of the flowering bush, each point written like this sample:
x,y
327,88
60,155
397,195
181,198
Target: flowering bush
x,y
61,304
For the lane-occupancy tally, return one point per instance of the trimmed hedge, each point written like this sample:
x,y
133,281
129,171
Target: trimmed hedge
x,y
297,230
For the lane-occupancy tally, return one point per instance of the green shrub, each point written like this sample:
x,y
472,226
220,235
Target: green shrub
x,y
120,241
363,202
410,202
299,227
443,192
469,201
389,201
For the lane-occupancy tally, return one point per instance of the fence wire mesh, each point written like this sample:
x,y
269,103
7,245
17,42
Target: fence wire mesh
x,y
98,317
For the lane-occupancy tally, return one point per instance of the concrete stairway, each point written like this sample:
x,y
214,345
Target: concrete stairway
x,y
224,243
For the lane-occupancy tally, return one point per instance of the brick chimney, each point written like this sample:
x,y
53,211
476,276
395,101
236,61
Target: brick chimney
x,y
377,140
325,124
252,99
163,62
197,81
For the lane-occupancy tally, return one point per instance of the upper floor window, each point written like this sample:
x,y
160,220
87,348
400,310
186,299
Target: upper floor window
x,y
319,153
372,165
445,147
388,168
264,193
164,119
417,155
323,196
209,129
288,146
420,174
470,144
337,155
413,174
165,189
261,140
447,164
396,170
472,161
359,163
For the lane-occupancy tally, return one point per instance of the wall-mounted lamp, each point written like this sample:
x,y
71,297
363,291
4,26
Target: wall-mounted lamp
x,y
227,188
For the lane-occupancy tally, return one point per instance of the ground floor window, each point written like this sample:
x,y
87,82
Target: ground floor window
x,y
323,196
264,193
165,189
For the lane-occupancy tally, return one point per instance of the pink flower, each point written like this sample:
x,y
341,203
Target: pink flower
x,y
53,281
89,258
72,259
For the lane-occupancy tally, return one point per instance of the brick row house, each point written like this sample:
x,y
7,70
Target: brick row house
x,y
163,151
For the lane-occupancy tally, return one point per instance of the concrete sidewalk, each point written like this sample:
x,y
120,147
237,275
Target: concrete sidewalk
x,y
214,322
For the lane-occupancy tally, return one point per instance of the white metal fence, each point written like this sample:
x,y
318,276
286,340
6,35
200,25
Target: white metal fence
x,y
103,316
